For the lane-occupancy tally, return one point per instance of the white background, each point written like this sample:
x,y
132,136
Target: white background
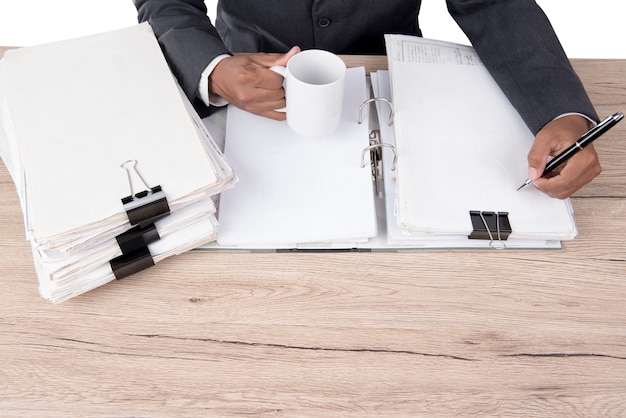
x,y
587,29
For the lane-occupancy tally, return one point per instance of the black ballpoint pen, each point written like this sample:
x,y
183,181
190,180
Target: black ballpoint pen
x,y
587,138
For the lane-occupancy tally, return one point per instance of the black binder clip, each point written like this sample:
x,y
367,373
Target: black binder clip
x,y
147,206
131,263
492,226
136,255
137,238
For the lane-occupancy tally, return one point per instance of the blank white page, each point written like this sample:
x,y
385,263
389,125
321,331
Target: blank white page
x,y
294,189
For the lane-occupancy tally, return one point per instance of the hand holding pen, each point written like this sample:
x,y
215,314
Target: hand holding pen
x,y
579,145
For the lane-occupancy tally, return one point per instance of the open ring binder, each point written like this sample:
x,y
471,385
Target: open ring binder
x,y
281,200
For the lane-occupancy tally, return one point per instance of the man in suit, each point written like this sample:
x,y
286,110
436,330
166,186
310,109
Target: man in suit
x,y
513,38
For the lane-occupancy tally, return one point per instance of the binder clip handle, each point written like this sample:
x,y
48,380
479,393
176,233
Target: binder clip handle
x,y
147,206
492,226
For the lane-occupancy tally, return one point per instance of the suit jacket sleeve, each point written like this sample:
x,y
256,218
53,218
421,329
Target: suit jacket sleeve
x,y
518,45
187,37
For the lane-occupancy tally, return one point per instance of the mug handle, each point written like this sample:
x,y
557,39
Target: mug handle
x,y
282,71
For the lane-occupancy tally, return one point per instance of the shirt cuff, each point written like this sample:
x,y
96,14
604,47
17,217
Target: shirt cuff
x,y
203,88
590,121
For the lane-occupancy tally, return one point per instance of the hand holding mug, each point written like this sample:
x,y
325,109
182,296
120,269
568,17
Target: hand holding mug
x,y
245,81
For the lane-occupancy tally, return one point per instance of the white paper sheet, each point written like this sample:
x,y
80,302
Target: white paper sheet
x,y
294,189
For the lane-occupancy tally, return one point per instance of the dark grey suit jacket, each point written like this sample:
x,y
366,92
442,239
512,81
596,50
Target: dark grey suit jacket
x,y
513,38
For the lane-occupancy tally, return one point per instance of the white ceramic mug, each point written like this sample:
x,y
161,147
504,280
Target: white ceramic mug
x,y
314,89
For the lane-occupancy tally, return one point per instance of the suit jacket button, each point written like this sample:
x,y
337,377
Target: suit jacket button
x,y
323,22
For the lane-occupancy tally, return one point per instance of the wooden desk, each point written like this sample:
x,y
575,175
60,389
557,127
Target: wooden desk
x,y
432,333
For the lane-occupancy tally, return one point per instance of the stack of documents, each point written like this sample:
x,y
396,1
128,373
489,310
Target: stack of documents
x,y
461,147
88,122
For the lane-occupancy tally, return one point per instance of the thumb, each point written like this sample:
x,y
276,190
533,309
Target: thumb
x,y
284,58
269,60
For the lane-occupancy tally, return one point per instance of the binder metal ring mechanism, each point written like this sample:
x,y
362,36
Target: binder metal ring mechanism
x,y
372,100
143,209
375,147
376,158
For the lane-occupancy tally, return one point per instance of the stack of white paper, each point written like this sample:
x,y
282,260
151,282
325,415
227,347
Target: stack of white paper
x,y
461,146
74,114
